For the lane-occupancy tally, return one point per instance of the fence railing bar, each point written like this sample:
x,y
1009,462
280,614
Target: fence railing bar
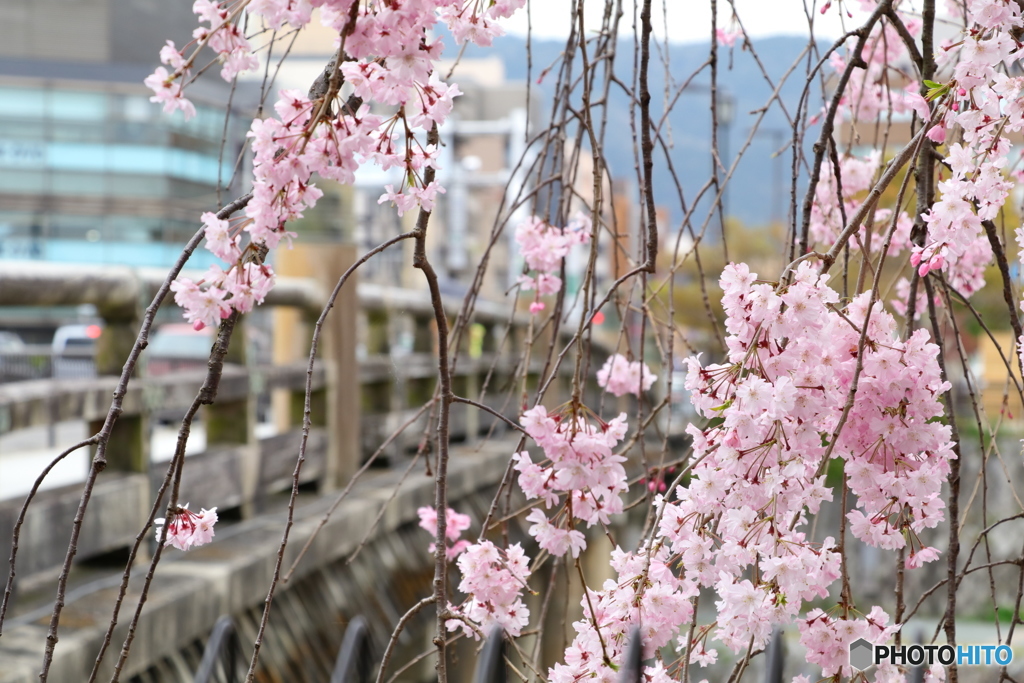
x,y
774,658
354,661
222,646
632,663
490,667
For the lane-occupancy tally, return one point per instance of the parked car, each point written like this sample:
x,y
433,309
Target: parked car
x,y
178,346
73,348
10,342
77,336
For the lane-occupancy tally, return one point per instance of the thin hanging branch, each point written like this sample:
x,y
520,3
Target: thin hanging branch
x,y
102,439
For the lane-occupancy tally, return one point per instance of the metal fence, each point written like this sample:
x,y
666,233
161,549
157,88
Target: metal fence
x,y
40,362
222,656
355,656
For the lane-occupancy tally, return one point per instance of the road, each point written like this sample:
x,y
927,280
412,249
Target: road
x,y
24,453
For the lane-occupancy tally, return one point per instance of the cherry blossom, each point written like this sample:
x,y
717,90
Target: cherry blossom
x,y
494,580
392,63
760,469
619,376
553,539
239,288
828,638
168,93
455,524
543,247
580,474
610,613
727,38
969,101
186,528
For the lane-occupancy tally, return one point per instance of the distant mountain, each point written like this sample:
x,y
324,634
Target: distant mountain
x,y
759,190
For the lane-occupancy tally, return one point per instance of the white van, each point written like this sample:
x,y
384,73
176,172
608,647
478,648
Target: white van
x,y
73,349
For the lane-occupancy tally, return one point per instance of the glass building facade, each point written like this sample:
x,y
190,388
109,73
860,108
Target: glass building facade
x,y
92,172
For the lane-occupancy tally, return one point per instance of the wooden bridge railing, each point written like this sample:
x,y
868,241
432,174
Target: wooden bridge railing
x,y
361,394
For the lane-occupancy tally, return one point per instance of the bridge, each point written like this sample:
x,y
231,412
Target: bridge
x,y
364,556
369,557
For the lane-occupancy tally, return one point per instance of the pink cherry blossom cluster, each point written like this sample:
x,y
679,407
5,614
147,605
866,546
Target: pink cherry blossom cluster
x,y
980,100
455,524
954,226
828,638
727,38
619,376
389,57
212,299
242,286
494,581
167,91
223,35
580,475
736,528
479,28
781,396
868,96
186,528
543,247
984,102
896,455
857,175
289,149
645,593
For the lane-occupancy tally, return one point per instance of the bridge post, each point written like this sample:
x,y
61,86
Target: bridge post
x,y
128,448
423,334
344,451
419,390
401,328
337,408
493,397
233,423
470,349
380,399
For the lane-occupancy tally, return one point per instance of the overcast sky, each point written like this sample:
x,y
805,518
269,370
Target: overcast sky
x,y
689,20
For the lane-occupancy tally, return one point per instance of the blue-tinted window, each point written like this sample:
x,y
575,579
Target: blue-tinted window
x,y
22,102
77,106
91,184
22,182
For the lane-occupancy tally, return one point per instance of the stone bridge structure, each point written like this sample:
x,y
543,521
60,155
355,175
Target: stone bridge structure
x,y
358,400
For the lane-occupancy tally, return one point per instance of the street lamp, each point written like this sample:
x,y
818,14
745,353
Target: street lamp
x,y
725,114
725,109
779,144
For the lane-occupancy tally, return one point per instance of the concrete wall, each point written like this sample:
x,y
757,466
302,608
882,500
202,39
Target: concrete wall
x,y
231,576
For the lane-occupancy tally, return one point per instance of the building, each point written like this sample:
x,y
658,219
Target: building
x,y
481,145
90,170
